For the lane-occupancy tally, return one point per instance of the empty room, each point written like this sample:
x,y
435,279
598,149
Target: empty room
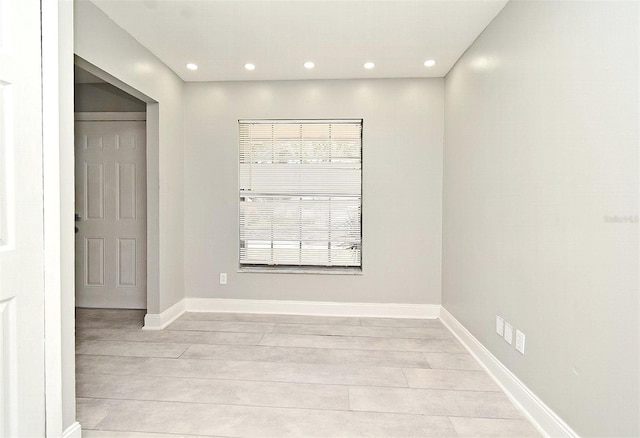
x,y
319,218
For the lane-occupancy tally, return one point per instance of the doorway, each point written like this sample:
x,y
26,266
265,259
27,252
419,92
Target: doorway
x,y
110,195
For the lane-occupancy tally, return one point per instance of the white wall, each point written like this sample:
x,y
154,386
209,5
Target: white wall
x,y
105,98
541,147
100,42
402,173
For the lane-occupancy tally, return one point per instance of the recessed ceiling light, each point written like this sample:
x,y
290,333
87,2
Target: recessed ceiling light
x,y
192,66
250,66
369,65
309,64
429,63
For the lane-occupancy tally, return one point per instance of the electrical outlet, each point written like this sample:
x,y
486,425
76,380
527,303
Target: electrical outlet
x,y
520,341
499,325
508,333
223,278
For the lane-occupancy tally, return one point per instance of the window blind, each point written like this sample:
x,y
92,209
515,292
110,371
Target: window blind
x,y
300,193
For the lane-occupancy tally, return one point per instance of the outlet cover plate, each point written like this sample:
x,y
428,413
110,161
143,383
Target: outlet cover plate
x,y
223,278
520,341
499,325
508,333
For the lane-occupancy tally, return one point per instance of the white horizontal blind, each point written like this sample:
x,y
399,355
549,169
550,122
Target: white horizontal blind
x,y
300,193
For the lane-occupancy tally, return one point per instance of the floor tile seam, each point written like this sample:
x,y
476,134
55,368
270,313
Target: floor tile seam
x,y
305,348
183,352
449,416
222,379
204,359
452,426
399,338
373,338
364,336
360,364
112,327
182,357
293,334
427,360
361,337
163,433
196,358
520,419
169,330
257,345
343,348
347,326
291,323
137,342
130,317
97,423
305,364
295,382
155,341
229,379
119,318
84,320
413,388
362,349
295,362
487,391
129,356
404,375
315,348
359,323
413,414
209,403
205,322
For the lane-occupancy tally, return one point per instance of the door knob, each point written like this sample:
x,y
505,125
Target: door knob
x,y
78,218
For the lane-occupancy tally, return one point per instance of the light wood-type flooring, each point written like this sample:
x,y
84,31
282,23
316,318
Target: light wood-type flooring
x,y
250,375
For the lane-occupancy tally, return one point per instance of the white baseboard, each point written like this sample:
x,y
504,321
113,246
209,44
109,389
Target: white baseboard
x,y
73,431
154,321
542,417
318,308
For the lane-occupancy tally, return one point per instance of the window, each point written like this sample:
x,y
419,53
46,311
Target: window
x,y
300,193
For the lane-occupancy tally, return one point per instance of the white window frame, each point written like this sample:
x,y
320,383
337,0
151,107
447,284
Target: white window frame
x,y
348,193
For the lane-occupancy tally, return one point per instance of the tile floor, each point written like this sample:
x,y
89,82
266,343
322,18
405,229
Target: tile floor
x,y
236,375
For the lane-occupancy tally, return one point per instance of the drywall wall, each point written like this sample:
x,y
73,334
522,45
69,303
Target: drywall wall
x,y
541,203
402,174
103,97
100,43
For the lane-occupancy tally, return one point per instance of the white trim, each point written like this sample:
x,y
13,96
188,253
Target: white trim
x,y
320,308
154,321
542,417
111,116
51,191
309,270
73,431
284,121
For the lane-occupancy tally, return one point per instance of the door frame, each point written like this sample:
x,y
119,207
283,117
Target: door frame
x,y
153,181
56,18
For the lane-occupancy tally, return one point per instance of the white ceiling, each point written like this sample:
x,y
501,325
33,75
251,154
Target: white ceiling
x,y
220,36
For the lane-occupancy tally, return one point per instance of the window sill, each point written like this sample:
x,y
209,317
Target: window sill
x,y
301,270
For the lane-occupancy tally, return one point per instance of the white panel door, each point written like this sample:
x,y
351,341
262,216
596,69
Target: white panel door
x,y
111,250
22,404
